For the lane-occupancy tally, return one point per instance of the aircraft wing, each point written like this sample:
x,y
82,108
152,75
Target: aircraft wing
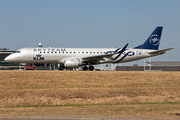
x,y
96,58
160,51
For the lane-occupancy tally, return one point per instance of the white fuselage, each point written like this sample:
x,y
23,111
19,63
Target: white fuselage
x,y
58,55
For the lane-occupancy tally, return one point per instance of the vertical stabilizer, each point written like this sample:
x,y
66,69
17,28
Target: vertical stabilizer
x,y
153,40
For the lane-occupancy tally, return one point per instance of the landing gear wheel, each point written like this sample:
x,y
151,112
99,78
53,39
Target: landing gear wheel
x,y
91,68
85,68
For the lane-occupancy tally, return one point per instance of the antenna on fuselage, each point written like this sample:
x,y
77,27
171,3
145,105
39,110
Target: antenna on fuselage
x,y
40,45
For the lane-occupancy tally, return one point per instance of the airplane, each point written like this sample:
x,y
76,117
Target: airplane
x,y
87,57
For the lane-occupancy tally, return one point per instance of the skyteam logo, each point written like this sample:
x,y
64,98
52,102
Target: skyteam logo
x,y
38,57
130,53
49,50
154,39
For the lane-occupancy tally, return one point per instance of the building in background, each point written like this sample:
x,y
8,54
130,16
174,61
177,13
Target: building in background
x,y
153,66
4,52
164,63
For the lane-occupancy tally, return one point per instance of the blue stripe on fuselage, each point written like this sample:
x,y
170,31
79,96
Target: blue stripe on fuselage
x,y
116,57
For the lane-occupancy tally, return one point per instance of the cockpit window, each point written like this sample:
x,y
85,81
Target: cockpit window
x,y
17,52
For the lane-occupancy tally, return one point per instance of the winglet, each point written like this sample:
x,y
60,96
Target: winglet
x,y
124,48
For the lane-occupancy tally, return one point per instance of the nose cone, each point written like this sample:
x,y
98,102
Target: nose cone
x,y
7,59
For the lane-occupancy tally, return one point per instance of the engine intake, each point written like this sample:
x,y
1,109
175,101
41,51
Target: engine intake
x,y
72,63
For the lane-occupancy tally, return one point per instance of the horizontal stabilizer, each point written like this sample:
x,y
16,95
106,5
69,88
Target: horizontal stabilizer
x,y
160,51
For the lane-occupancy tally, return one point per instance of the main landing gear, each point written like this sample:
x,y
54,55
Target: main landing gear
x,y
91,68
85,68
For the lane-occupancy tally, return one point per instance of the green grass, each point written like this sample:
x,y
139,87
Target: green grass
x,y
80,105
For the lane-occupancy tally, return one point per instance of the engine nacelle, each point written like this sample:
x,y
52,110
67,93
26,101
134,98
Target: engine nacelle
x,y
72,63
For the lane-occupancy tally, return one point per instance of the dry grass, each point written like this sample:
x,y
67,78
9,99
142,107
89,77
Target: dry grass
x,y
150,111
30,88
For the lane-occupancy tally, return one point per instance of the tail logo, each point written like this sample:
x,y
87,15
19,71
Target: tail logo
x,y
154,39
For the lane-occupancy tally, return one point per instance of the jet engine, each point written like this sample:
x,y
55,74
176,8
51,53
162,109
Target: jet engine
x,y
72,63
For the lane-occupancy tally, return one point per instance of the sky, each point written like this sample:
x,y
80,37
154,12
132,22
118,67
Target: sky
x,y
89,24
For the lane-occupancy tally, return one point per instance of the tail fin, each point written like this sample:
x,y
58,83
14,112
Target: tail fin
x,y
153,40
